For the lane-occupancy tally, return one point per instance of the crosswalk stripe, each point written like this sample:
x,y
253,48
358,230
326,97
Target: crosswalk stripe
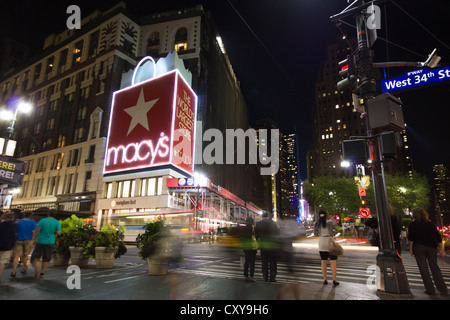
x,y
305,270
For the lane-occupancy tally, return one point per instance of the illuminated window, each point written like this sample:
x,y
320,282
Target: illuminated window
x,y
181,40
77,50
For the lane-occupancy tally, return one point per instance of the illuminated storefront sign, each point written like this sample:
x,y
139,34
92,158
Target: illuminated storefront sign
x,y
152,124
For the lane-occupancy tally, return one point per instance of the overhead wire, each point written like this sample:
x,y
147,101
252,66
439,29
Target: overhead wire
x,y
420,24
262,44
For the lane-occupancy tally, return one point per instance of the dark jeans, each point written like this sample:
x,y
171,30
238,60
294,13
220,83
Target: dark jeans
x,y
427,257
249,264
269,264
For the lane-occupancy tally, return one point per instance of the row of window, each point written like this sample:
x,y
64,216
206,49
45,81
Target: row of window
x,y
38,188
134,188
57,160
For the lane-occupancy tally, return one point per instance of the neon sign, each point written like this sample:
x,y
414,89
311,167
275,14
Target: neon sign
x,y
152,124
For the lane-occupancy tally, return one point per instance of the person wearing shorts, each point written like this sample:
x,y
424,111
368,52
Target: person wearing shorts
x,y
324,228
45,233
24,230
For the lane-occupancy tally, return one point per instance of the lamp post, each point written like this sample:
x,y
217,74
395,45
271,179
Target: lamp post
x,y
24,107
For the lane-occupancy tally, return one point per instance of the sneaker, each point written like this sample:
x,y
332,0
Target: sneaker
x,y
335,283
12,275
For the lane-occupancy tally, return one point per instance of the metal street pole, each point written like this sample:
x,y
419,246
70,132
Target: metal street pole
x,y
392,271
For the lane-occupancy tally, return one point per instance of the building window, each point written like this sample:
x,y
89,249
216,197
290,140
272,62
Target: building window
x,y
181,40
93,44
77,51
153,43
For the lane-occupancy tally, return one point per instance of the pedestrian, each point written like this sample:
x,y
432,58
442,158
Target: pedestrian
x,y
424,240
25,228
325,228
404,238
396,230
248,241
45,233
7,240
266,232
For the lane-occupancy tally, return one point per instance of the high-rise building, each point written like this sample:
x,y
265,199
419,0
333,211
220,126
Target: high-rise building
x,y
71,83
441,187
289,176
282,189
335,119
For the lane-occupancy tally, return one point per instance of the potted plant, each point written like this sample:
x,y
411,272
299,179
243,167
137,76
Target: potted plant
x,y
61,252
79,239
106,245
158,246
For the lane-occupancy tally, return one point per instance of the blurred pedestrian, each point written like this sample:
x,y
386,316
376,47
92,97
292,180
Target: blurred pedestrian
x,y
7,240
424,240
248,242
25,228
396,231
325,228
404,238
45,233
266,232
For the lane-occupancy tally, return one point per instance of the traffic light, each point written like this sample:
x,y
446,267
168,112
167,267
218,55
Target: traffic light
x,y
363,202
347,71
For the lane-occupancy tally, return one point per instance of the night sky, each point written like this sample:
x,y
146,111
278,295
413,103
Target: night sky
x,y
276,48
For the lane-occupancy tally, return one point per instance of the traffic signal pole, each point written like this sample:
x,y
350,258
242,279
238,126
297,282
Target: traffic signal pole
x,y
391,269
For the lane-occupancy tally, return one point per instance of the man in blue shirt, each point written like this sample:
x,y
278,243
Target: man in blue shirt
x,y
25,228
45,233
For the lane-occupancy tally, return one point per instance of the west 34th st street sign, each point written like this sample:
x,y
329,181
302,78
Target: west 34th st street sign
x,y
415,78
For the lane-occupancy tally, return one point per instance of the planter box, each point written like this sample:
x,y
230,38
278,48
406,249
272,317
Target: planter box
x,y
158,266
77,258
104,259
60,260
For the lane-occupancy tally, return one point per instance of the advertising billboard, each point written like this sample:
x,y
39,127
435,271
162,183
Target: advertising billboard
x,y
152,124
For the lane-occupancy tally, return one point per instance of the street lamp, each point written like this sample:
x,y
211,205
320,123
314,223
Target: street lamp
x,y
24,107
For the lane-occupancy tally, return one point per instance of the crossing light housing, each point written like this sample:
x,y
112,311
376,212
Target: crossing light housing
x,y
347,71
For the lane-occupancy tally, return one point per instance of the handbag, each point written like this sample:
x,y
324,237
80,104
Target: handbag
x,y
334,248
255,245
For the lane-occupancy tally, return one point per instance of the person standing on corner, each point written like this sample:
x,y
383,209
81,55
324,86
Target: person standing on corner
x,y
424,239
45,233
324,229
266,232
246,235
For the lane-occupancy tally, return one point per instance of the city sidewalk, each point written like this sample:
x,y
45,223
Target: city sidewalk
x,y
183,285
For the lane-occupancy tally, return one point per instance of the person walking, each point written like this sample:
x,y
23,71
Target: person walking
x,y
424,239
45,233
266,232
247,237
25,228
7,240
324,228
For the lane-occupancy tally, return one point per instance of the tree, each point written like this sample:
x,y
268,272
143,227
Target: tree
x,y
340,195
335,195
404,193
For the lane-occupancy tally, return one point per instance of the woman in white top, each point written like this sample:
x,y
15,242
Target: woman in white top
x,y
324,228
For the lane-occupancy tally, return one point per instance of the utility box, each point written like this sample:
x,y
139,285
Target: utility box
x,y
385,112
